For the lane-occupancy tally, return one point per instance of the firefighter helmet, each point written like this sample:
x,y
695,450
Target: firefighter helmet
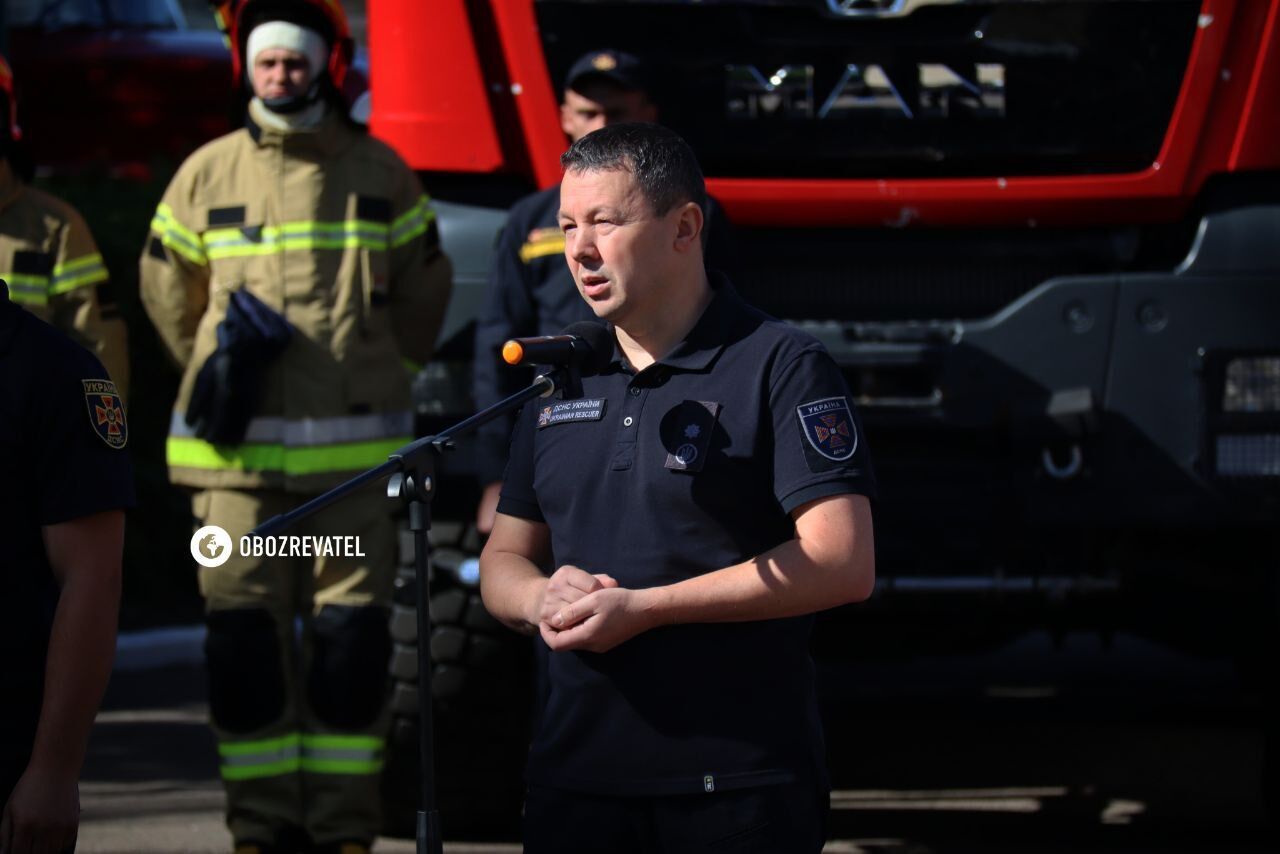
x,y
236,18
9,107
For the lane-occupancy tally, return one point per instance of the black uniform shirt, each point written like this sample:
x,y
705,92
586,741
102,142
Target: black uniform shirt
x,y
689,466
531,292
63,455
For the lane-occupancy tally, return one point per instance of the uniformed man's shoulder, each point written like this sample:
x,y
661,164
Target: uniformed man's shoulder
x,y
218,163
375,152
37,339
72,420
536,206
69,375
229,144
49,207
767,332
213,155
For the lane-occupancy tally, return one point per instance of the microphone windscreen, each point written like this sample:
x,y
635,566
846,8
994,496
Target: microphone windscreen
x,y
599,341
512,352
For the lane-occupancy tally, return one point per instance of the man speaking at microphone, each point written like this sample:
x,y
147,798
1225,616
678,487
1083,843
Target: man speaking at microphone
x,y
703,498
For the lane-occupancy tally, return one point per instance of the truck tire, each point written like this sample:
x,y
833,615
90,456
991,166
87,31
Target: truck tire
x,y
481,686
1271,710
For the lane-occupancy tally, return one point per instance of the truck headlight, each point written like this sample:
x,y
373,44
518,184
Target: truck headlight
x,y
1252,385
1248,455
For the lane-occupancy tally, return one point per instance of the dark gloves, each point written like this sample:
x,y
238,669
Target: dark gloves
x,y
228,387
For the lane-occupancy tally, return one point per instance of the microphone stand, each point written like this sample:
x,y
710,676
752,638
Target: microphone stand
x,y
412,472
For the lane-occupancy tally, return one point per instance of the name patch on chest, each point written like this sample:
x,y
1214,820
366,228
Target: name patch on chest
x,y
586,409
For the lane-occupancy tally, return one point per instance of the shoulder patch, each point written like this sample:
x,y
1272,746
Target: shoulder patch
x,y
829,427
106,413
33,263
542,242
155,248
373,208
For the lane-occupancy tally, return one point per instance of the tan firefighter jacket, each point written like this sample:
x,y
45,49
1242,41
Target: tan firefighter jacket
x,y
331,229
54,270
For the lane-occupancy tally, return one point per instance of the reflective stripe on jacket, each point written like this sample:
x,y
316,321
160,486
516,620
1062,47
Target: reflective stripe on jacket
x,y
54,270
331,229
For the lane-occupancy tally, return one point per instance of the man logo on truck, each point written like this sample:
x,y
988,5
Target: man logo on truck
x,y
921,90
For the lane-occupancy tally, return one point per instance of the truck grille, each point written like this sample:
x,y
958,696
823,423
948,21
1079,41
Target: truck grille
x,y
793,88
853,275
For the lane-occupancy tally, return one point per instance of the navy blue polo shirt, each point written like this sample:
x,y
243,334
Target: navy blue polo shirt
x,y
63,455
686,467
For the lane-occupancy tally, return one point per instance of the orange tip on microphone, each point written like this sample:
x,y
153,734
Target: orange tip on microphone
x,y
512,352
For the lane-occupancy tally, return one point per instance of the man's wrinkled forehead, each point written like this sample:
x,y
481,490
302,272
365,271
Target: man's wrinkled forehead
x,y
601,187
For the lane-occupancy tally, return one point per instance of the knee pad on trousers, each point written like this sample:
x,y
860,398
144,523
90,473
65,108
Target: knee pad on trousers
x,y
246,676
349,654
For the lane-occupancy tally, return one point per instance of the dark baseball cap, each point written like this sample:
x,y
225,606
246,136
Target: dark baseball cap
x,y
615,66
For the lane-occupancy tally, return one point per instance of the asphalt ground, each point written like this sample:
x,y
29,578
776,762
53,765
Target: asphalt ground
x,y
1033,748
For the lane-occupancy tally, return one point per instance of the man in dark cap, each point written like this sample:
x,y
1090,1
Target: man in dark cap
x,y
604,87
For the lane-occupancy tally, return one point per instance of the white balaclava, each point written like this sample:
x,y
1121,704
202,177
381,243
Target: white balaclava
x,y
290,36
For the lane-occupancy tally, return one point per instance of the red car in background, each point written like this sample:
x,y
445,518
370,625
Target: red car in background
x,y
120,87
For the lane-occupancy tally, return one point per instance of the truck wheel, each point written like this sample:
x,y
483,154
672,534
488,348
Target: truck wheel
x,y
1271,711
481,686
1271,773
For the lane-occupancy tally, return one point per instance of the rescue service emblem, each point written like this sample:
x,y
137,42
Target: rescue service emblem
x,y
571,410
106,412
828,425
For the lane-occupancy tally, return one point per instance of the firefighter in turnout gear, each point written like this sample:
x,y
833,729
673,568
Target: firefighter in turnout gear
x,y
48,257
330,234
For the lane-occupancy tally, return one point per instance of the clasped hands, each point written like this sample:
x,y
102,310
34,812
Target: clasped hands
x,y
581,610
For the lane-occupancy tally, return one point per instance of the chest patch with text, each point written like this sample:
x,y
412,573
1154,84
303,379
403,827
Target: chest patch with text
x,y
567,411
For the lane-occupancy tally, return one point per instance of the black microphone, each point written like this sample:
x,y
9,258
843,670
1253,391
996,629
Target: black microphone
x,y
585,345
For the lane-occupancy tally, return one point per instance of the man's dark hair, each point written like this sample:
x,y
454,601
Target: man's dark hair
x,y
662,163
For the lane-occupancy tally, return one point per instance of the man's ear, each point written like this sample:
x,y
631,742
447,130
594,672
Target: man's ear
x,y
689,223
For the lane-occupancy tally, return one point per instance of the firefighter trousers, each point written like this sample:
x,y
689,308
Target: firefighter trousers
x,y
297,652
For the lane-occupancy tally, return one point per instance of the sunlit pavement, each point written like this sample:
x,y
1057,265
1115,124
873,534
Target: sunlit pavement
x,y
1034,748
